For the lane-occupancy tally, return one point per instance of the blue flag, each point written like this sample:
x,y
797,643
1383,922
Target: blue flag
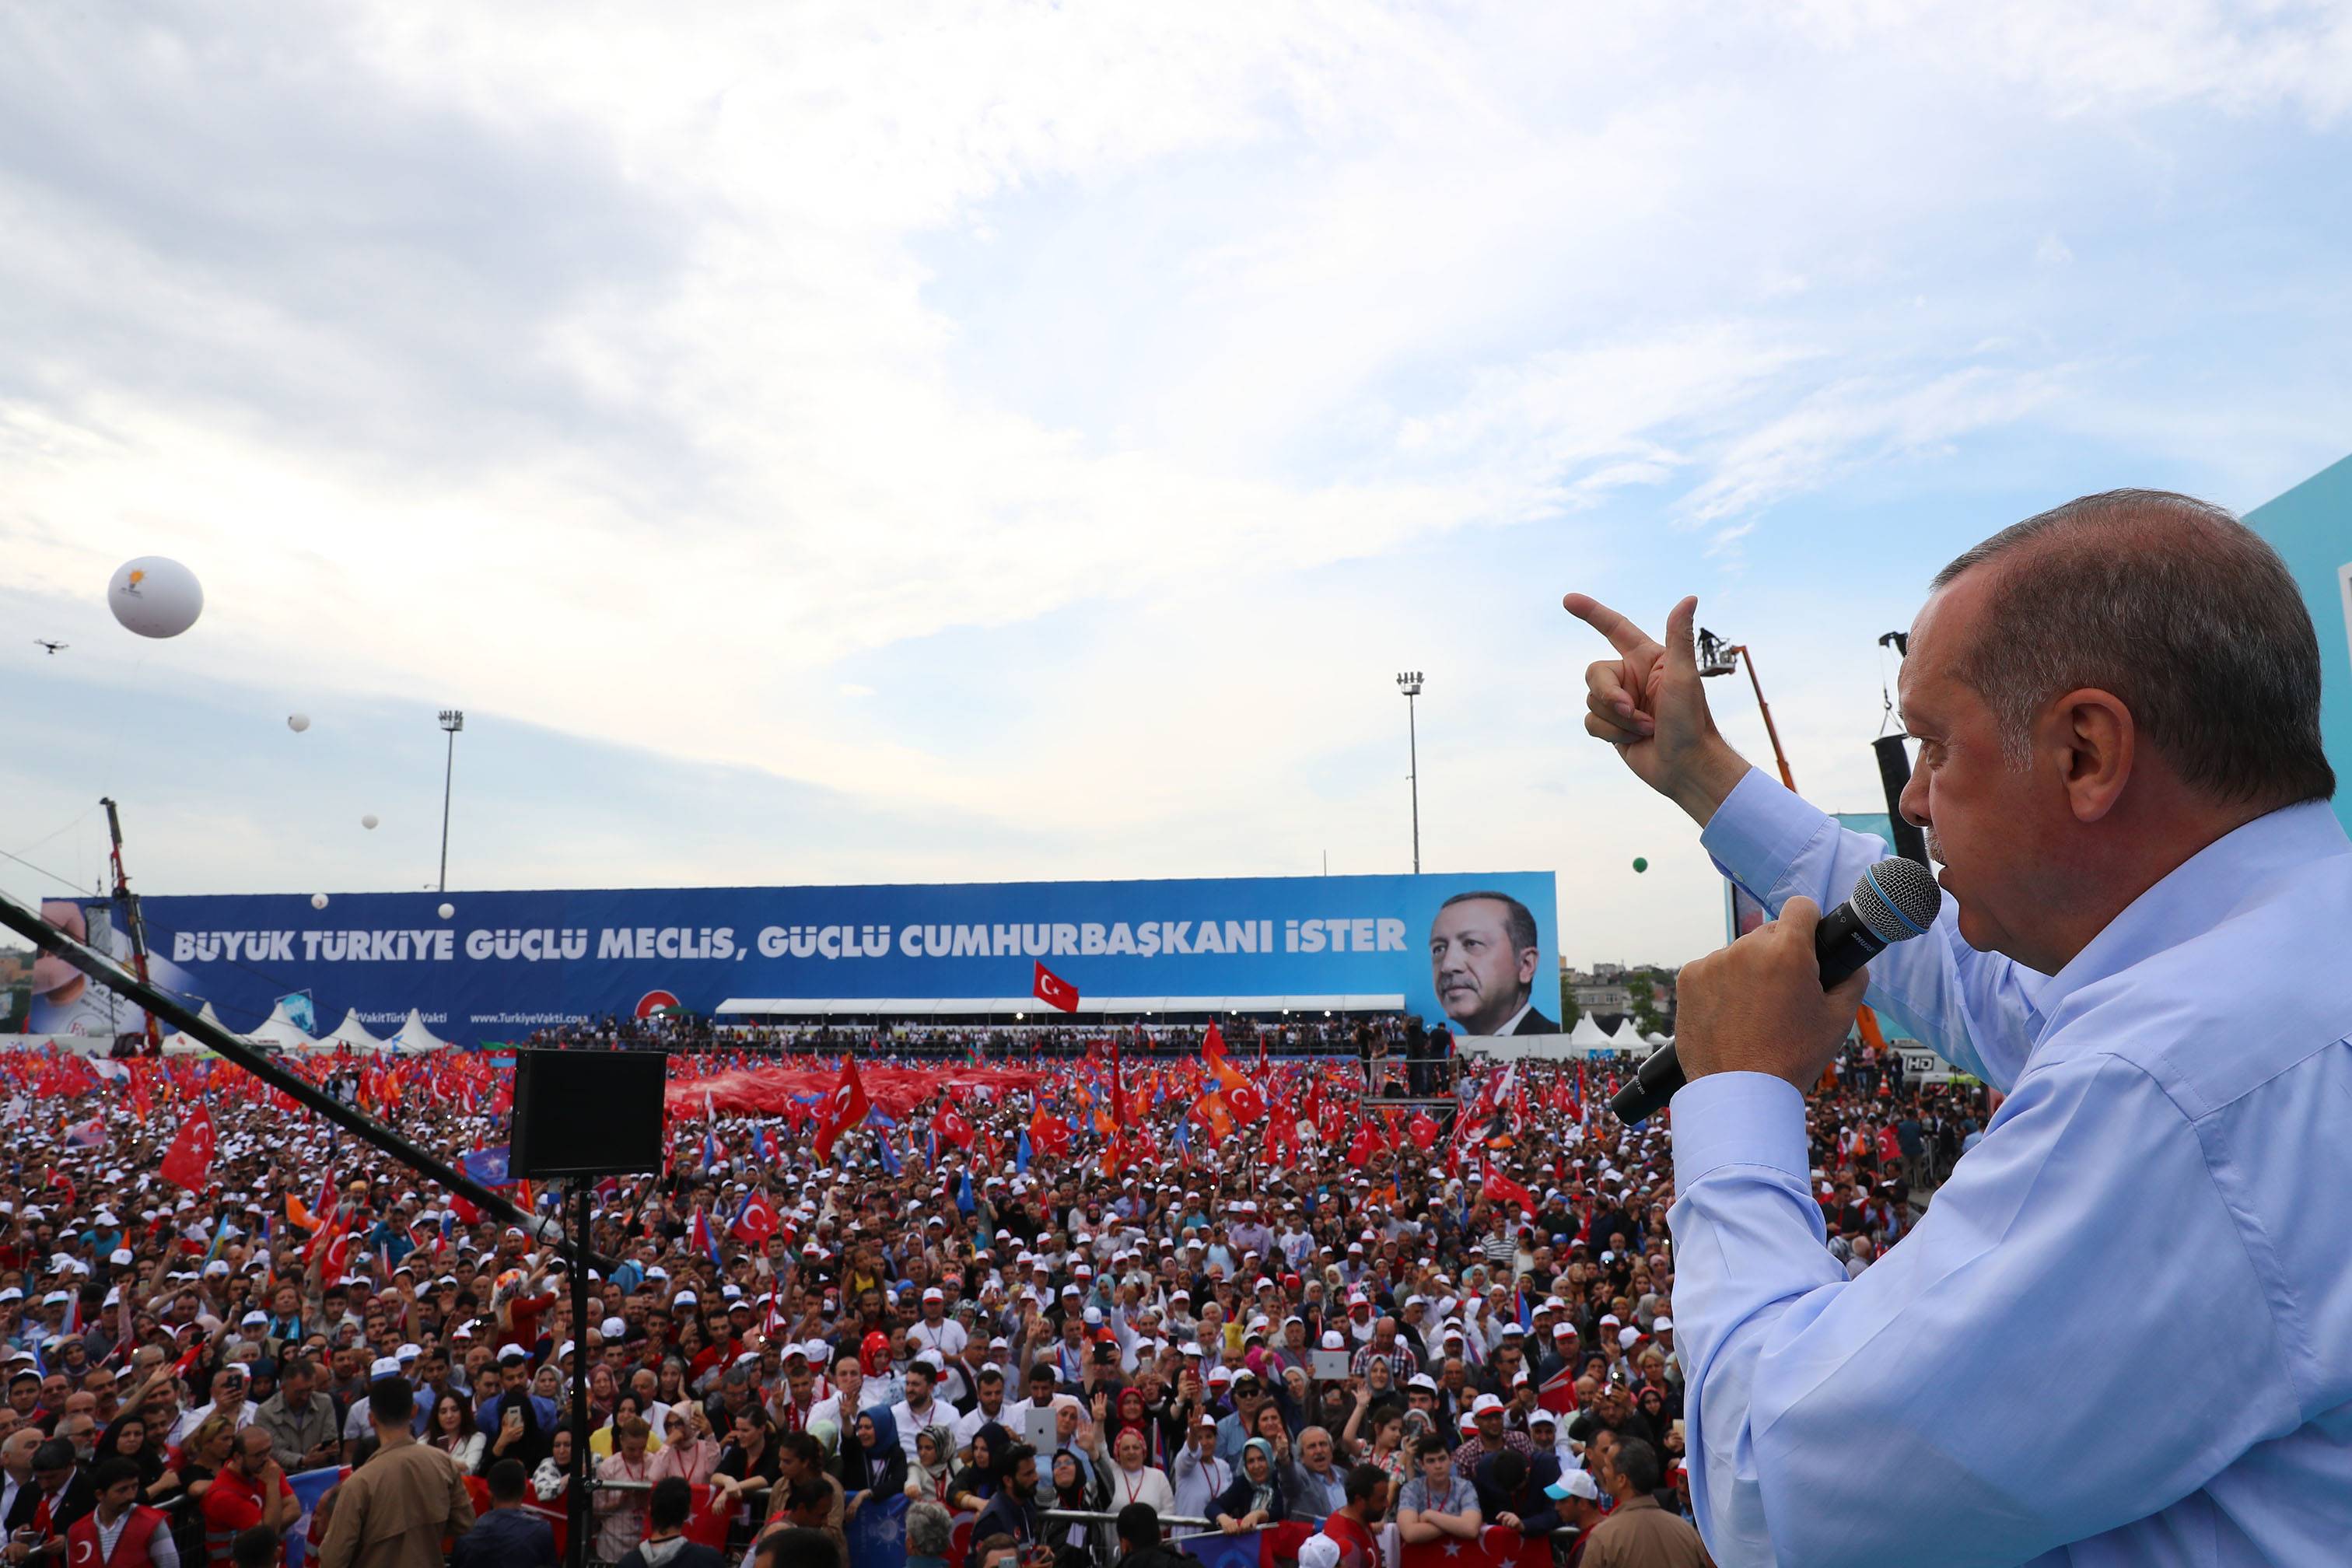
x,y
877,1536
1021,1154
308,1487
963,1193
1221,1550
487,1166
764,1151
889,1157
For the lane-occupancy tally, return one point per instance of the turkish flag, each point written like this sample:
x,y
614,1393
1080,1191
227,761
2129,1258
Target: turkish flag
x,y
1499,1185
1243,1099
757,1222
951,1127
1422,1130
1049,1135
1364,1145
846,1108
1053,990
1557,1393
189,1161
1496,1547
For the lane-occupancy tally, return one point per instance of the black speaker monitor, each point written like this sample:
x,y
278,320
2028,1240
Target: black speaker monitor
x,y
587,1113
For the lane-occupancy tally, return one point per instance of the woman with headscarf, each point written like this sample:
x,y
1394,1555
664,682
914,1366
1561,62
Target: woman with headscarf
x,y
971,1488
1133,1414
873,1461
1126,1477
927,1478
128,1438
1074,1492
1256,1497
688,1449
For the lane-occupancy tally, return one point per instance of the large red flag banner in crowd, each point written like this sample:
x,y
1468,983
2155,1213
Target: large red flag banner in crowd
x,y
188,1163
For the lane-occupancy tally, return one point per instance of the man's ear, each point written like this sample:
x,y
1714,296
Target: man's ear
x,y
2090,740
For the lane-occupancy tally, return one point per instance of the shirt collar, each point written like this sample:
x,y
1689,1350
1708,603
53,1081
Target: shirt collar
x,y
2224,876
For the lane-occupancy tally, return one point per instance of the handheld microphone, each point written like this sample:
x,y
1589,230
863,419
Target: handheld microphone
x,y
1892,901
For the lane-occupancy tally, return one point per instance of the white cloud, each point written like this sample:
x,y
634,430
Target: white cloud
x,y
680,374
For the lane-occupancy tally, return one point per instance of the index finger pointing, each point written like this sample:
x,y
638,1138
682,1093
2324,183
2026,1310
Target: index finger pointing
x,y
1623,635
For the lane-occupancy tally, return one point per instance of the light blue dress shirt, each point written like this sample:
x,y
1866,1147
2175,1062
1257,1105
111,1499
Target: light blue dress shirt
x,y
2123,1332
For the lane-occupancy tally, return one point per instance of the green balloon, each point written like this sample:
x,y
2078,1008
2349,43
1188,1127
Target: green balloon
x,y
1641,863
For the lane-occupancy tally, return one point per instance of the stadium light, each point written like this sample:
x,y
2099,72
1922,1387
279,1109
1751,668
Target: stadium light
x,y
452,720
1408,682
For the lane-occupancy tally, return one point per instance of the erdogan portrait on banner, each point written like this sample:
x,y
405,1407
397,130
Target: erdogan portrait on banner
x,y
1482,957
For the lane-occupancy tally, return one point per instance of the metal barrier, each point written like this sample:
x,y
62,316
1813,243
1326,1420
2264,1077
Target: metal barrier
x,y
1083,1516
1102,1535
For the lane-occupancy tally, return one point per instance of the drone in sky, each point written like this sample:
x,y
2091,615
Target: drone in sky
x,y
51,648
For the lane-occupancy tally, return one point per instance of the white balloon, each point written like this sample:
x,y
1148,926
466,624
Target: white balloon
x,y
298,722
155,596
368,821
449,910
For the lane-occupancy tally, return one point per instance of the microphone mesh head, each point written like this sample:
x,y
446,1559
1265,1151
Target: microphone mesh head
x,y
1898,898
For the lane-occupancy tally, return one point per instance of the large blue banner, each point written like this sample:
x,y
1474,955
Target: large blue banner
x,y
1477,951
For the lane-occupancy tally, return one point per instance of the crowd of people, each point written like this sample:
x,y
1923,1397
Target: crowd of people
x,y
1386,1039
1352,1322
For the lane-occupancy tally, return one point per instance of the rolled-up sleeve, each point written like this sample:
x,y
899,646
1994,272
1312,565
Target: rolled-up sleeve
x,y
1984,1391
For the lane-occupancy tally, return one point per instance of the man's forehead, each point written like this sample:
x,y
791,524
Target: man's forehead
x,y
1470,916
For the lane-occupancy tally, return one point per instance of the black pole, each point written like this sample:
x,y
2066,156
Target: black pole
x,y
1413,775
448,776
28,924
1894,775
580,1514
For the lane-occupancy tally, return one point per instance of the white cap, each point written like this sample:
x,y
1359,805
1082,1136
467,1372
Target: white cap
x,y
1333,1340
1486,1404
1318,1552
383,1367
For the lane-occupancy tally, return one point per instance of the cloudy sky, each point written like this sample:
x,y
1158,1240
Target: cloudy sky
x,y
896,442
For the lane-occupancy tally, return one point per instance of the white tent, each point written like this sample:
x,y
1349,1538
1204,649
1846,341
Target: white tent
x,y
1626,1035
415,1037
180,1043
1656,1039
280,1029
1588,1033
352,1034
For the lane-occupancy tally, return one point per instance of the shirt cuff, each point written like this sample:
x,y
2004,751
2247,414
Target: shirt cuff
x,y
1739,1119
1757,832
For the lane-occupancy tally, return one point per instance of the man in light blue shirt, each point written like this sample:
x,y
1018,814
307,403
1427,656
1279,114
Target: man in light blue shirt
x,y
2123,1332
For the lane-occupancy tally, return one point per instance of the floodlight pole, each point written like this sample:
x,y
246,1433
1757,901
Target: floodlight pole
x,y
452,720
1408,682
